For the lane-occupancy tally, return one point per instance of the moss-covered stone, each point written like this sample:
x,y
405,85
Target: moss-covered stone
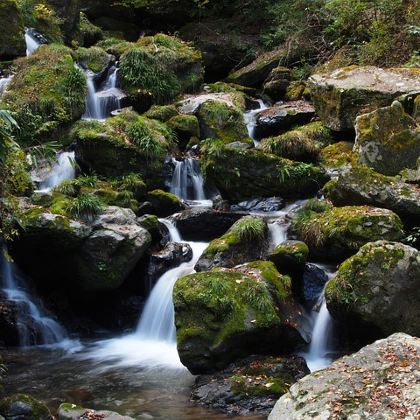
x,y
47,93
185,127
301,144
297,90
24,407
277,83
243,174
162,113
95,59
379,288
388,139
12,42
165,203
338,232
90,34
244,241
223,314
338,154
290,257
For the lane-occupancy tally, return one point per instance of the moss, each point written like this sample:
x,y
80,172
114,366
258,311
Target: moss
x,y
38,411
46,93
89,33
162,113
185,126
164,202
94,58
296,91
338,154
290,257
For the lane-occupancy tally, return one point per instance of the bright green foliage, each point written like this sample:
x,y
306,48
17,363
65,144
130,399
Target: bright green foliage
x,y
85,207
94,58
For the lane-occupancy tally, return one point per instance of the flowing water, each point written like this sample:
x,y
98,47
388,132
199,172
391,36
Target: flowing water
x,y
34,325
32,44
188,183
103,100
251,120
4,83
62,170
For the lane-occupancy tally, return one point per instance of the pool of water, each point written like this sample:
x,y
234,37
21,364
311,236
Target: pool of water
x,y
56,375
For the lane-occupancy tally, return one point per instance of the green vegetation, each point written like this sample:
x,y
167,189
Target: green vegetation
x,y
85,207
249,229
94,58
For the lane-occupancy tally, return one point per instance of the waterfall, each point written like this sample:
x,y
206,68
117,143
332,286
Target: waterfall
x,y
100,102
188,183
32,44
34,326
317,357
4,83
153,344
250,118
61,171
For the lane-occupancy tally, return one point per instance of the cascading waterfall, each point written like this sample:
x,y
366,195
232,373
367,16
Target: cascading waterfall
x,y
188,183
100,102
317,357
32,44
62,170
250,118
4,83
42,329
153,344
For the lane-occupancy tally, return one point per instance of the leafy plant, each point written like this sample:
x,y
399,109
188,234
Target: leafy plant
x,y
85,207
249,229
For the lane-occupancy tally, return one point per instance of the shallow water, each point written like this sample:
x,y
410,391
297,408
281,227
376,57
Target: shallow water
x,y
54,376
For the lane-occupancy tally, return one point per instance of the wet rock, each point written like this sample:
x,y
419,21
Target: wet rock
x,y
164,203
388,139
230,313
200,224
169,257
245,241
339,97
314,280
24,407
68,411
250,386
362,186
280,118
290,257
378,288
362,385
277,83
9,331
260,205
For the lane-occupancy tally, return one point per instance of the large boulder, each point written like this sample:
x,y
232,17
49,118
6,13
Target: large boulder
x,y
362,186
339,97
338,232
388,139
24,407
98,255
363,385
226,314
245,174
12,41
283,117
68,11
245,241
379,287
201,224
290,257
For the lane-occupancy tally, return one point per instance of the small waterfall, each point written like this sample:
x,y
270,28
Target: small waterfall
x,y
100,102
250,118
317,357
188,183
4,83
61,171
32,44
42,329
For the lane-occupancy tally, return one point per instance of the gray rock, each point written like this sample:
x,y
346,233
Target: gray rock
x,y
68,411
379,382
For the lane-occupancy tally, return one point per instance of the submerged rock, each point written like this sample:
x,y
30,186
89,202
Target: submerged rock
x,y
24,407
339,97
388,139
226,314
378,288
260,205
380,381
250,386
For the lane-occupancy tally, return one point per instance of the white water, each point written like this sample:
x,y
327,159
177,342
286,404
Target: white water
x,y
153,344
250,118
100,102
317,357
31,43
4,83
61,171
48,331
188,183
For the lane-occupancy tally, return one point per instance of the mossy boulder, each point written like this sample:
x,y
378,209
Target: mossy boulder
x,y
296,90
47,93
225,314
290,257
68,14
162,113
388,139
275,86
162,65
339,97
94,58
12,42
361,185
245,241
122,145
24,407
185,127
90,34
302,144
337,155
378,288
359,385
245,174
339,232
165,203
98,254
